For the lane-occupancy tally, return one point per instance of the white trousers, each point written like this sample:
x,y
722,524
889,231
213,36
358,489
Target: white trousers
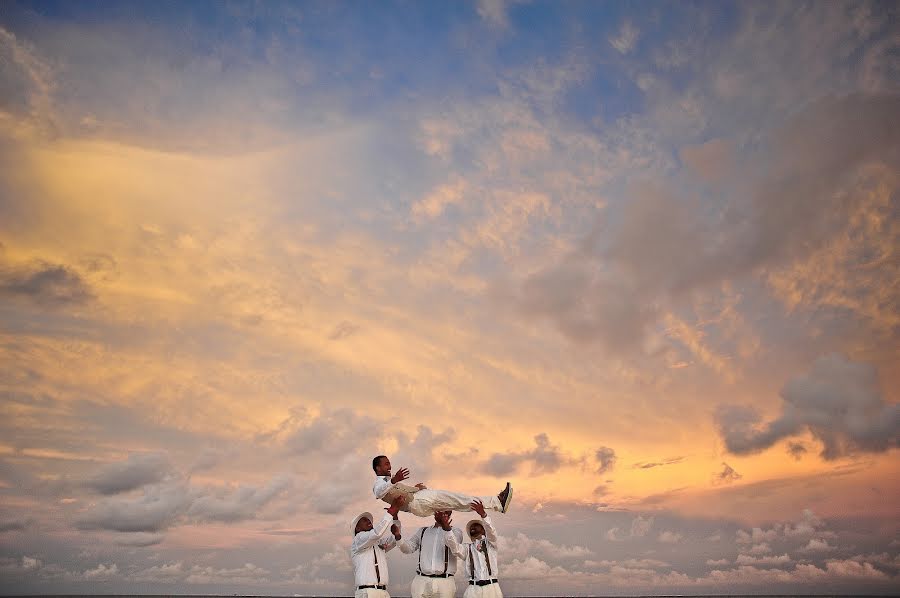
x,y
370,593
426,503
488,591
433,587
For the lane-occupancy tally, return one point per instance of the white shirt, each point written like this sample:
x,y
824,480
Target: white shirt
x,y
369,546
432,547
477,558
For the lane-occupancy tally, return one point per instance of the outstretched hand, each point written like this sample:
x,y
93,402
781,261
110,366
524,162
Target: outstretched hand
x,y
401,475
421,486
478,507
396,531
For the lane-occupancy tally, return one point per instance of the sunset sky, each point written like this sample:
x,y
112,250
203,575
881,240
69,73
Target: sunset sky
x,y
640,259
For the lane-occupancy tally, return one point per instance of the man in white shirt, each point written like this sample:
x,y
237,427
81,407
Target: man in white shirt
x,y
368,550
423,502
480,555
439,547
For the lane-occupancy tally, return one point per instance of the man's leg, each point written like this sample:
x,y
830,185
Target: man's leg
x,y
427,502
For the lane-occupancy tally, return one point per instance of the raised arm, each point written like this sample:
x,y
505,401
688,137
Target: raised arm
x,y
364,540
452,536
410,545
489,531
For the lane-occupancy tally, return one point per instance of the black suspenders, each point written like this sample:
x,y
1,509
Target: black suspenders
x,y
487,559
377,572
446,554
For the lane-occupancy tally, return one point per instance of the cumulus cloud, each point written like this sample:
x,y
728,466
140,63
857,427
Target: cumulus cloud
x,y
162,506
838,401
746,559
241,504
521,546
157,509
101,572
531,568
544,458
46,284
640,526
669,537
136,471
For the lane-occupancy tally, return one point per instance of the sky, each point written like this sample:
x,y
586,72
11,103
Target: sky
x,y
640,259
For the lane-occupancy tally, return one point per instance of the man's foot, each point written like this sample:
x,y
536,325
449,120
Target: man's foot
x,y
505,498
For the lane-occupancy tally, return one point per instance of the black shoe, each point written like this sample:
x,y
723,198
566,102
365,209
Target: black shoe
x,y
505,498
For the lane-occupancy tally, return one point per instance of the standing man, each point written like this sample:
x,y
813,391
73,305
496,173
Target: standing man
x,y
368,550
481,556
421,501
439,546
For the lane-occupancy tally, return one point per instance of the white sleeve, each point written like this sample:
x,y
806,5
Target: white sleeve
x,y
454,543
364,540
490,532
408,546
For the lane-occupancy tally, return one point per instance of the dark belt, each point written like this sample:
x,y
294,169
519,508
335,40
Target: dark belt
x,y
482,582
371,587
436,575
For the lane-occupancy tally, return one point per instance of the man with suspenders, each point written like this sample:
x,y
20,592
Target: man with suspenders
x,y
368,550
481,562
439,547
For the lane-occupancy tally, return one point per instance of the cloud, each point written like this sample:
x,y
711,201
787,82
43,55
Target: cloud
x,y
521,546
817,545
797,450
837,401
640,526
726,476
651,465
157,509
247,574
796,198
14,525
625,40
669,537
49,285
101,572
531,568
745,559
241,504
544,458
139,539
136,471
606,457
494,12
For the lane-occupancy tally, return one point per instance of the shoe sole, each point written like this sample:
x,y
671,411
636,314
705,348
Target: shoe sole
x,y
508,500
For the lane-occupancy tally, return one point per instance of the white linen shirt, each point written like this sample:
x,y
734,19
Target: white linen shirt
x,y
431,548
366,547
476,558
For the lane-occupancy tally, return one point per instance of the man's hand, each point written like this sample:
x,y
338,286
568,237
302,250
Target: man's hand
x,y
421,486
401,475
396,531
445,521
395,507
478,507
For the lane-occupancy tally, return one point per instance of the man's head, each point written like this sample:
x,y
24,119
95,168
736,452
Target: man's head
x,y
382,465
476,530
440,516
362,523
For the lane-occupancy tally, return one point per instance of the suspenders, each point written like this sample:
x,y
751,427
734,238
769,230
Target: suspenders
x,y
446,554
377,572
487,559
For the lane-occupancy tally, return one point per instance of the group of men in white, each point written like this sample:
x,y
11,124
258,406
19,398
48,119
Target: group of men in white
x,y
443,551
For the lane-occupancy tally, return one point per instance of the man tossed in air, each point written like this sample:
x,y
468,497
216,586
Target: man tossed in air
x,y
425,502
